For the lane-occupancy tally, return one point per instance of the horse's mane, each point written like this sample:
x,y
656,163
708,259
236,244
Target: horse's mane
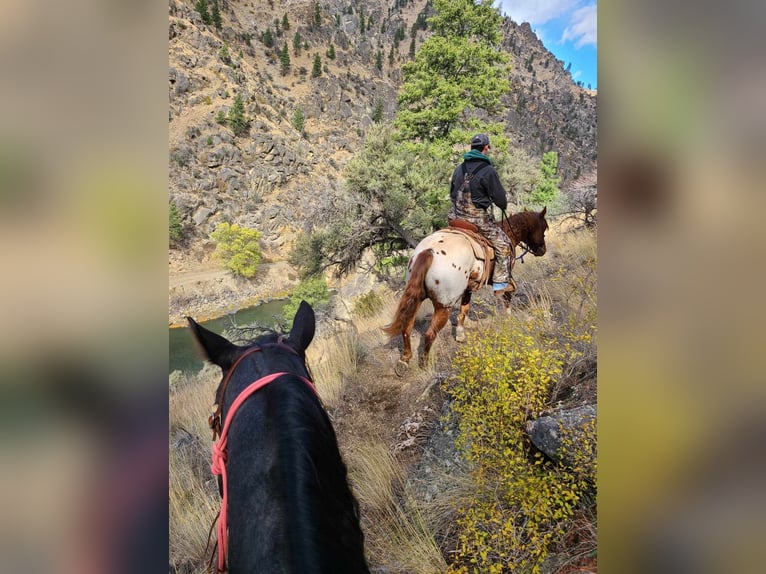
x,y
322,527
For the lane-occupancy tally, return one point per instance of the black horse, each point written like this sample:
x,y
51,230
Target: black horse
x,y
289,506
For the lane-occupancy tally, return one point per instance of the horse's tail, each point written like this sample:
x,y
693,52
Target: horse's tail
x,y
414,293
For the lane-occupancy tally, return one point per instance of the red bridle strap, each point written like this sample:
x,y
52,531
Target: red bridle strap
x,y
218,467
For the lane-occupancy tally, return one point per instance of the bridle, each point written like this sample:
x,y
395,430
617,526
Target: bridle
x,y
219,451
214,420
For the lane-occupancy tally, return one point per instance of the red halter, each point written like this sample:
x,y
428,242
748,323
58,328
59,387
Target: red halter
x,y
218,467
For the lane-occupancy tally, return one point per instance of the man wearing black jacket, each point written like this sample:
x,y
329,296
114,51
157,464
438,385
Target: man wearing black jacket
x,y
474,205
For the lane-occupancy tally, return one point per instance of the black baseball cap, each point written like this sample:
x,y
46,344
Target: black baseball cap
x,y
479,141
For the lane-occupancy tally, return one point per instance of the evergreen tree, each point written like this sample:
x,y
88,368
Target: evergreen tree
x,y
379,60
361,20
267,38
546,190
285,22
237,120
299,120
412,48
201,7
223,53
377,112
297,42
386,205
175,228
316,70
284,59
458,71
317,15
331,51
216,16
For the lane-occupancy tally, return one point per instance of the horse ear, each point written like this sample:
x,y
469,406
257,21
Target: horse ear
x,y
212,346
304,325
542,213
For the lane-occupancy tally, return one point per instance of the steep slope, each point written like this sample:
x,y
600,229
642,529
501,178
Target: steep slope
x,y
268,177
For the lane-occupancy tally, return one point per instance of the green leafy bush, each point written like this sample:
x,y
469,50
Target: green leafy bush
x,y
238,248
314,291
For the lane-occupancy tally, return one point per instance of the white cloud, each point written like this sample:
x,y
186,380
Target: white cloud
x,y
582,27
536,12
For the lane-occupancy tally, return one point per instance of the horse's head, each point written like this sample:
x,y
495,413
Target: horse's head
x,y
535,238
220,351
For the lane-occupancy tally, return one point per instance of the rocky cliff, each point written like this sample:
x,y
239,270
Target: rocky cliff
x,y
267,176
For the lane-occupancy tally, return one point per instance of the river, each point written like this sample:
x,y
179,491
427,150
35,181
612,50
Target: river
x,y
184,355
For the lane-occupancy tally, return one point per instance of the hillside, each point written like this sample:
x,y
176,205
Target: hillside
x,y
267,177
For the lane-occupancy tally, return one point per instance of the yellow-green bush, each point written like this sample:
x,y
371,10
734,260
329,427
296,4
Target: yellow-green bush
x,y
523,501
238,248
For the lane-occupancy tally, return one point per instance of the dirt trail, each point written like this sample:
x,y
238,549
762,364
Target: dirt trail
x,y
194,276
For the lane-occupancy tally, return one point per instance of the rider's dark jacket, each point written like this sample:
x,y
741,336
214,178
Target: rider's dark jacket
x,y
485,186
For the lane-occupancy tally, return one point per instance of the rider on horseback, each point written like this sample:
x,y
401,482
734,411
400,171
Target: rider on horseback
x,y
474,205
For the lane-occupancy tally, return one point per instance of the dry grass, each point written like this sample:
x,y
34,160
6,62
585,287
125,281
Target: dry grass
x,y
193,494
398,538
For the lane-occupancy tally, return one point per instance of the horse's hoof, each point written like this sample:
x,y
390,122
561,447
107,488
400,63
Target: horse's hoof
x,y
460,335
401,368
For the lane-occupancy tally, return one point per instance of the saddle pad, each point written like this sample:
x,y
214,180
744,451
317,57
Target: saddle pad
x,y
482,248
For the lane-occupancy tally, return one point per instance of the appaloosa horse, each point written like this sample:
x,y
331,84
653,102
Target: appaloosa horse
x,y
448,266
287,507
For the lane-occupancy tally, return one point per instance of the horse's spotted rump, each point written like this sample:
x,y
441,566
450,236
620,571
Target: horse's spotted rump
x,y
436,281
443,252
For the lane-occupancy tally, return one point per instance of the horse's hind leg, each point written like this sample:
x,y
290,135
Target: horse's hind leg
x,y
465,306
404,360
440,318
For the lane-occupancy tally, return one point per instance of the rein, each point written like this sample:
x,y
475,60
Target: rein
x,y
522,243
219,450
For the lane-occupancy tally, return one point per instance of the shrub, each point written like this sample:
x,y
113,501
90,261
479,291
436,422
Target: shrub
x,y
368,305
523,501
238,248
175,228
314,291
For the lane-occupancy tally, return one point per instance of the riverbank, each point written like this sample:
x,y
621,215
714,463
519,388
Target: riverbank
x,y
205,291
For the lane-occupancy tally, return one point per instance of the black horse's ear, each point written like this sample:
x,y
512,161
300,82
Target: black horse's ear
x,y
304,325
542,213
212,346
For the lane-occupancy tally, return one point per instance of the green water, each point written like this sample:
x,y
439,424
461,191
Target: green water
x,y
183,354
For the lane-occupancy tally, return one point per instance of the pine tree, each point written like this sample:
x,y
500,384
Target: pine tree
x,y
317,15
331,51
201,7
457,71
284,59
316,70
216,17
379,60
297,42
285,22
546,190
377,112
267,38
237,120
299,120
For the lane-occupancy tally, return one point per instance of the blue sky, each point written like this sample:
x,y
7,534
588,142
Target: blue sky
x,y
566,27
